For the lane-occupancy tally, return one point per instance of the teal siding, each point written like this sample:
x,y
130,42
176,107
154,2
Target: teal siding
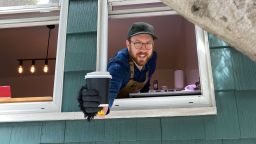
x,y
193,142
82,16
240,141
73,81
83,131
225,124
5,132
244,71
246,111
235,90
183,128
80,56
80,52
26,133
222,68
52,132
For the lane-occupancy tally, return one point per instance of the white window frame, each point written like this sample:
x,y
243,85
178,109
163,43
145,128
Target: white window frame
x,y
7,110
203,104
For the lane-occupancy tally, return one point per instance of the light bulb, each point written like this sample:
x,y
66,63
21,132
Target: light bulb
x,y
20,69
32,68
46,69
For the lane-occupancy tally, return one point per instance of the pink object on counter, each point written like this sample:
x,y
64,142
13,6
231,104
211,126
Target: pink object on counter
x,y
5,91
191,87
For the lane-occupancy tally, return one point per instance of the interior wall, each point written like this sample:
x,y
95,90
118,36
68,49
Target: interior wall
x,y
191,61
30,86
184,58
175,46
27,43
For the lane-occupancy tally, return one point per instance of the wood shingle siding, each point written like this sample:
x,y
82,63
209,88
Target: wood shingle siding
x,y
235,90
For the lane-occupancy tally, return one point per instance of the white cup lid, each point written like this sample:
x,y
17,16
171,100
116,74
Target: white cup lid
x,y
98,75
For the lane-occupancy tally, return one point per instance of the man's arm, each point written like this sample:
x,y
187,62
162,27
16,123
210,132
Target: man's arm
x,y
119,74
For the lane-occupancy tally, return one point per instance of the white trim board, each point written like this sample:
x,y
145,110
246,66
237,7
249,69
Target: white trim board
x,y
167,112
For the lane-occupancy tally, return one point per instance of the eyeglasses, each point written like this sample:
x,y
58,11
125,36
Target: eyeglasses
x,y
138,45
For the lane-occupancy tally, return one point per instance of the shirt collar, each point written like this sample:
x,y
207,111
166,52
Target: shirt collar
x,y
139,67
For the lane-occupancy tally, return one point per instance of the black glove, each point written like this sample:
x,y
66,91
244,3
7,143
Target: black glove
x,y
89,100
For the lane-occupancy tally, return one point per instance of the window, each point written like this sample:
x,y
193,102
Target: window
x,y
191,56
25,36
15,6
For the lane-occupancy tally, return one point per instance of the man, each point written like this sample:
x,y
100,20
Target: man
x,y
131,69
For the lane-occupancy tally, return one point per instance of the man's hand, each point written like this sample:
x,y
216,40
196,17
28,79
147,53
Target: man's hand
x,y
89,100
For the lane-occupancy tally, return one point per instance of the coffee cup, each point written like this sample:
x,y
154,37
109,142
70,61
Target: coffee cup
x,y
99,81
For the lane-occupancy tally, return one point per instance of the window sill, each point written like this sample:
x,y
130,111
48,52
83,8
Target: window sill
x,y
166,112
25,99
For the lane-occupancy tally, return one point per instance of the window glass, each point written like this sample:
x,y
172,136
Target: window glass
x,y
183,70
177,62
20,48
12,3
27,39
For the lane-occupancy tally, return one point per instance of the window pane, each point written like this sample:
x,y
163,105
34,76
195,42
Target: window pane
x,y
11,3
27,44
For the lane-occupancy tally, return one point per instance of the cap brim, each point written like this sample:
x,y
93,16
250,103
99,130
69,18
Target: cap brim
x,y
154,37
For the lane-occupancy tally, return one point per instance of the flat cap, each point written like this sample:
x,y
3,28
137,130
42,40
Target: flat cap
x,y
141,28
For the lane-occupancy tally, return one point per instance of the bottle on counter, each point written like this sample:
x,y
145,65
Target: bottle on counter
x,y
155,84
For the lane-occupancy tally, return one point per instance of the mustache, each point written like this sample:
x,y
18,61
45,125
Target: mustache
x,y
142,53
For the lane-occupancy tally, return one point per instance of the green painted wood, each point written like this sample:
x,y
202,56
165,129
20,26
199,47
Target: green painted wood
x,y
225,124
127,129
218,141
112,130
107,142
244,71
128,142
53,132
193,141
5,132
222,70
72,143
184,142
82,16
26,133
215,41
148,129
84,131
81,143
81,52
73,81
239,141
183,128
246,112
149,142
120,130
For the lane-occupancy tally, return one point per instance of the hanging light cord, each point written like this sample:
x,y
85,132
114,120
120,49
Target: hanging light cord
x,y
49,36
20,69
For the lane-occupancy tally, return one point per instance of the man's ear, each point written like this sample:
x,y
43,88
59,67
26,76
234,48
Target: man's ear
x,y
128,44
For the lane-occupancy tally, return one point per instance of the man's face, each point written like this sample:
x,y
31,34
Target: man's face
x,y
140,48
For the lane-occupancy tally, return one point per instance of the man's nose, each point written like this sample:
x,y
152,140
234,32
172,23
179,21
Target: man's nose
x,y
144,46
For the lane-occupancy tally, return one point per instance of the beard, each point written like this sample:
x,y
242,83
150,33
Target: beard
x,y
141,58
